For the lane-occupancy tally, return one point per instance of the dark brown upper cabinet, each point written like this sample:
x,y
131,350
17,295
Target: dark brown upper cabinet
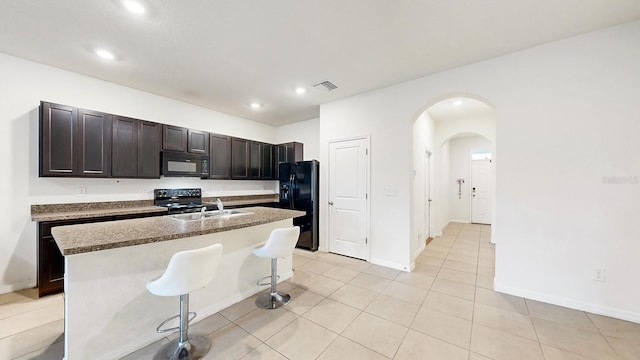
x,y
174,138
255,160
246,159
288,152
239,158
149,139
267,162
74,142
220,156
198,141
124,147
136,148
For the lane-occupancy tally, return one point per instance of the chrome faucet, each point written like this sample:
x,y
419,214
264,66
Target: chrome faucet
x,y
220,206
204,208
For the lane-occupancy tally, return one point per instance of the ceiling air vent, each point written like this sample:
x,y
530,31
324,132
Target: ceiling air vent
x,y
327,85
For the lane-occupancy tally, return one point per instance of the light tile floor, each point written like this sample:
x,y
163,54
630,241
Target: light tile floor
x,y
346,308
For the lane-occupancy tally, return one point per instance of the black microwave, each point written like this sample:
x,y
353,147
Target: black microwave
x,y
184,164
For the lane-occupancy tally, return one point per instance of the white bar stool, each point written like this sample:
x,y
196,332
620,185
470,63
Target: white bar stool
x,y
187,272
280,244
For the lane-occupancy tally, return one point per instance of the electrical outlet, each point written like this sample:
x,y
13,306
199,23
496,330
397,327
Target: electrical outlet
x,y
599,275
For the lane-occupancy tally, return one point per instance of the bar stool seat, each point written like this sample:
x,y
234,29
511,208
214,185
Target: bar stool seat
x,y
279,245
187,272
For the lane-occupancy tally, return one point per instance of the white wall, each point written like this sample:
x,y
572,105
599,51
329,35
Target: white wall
x,y
22,87
483,125
567,122
373,115
305,132
423,141
442,188
460,168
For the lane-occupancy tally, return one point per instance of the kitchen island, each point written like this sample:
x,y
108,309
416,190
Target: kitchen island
x,y
108,311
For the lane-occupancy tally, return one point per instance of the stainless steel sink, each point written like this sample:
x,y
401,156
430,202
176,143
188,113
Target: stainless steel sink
x,y
217,214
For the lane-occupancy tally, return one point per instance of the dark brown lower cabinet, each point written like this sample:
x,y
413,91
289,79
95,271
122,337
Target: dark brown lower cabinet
x,y
51,261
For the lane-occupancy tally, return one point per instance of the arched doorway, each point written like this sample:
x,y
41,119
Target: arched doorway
x,y
461,120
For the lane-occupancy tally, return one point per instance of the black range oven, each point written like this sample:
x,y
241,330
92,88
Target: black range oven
x,y
179,201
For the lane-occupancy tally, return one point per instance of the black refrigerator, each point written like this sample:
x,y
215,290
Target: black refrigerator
x,y
299,191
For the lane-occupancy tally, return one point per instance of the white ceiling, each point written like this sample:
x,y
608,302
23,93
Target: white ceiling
x,y
224,54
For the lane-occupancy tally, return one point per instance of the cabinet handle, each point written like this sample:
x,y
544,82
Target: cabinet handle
x,y
330,202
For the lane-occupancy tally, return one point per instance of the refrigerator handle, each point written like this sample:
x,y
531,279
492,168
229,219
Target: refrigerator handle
x,y
292,178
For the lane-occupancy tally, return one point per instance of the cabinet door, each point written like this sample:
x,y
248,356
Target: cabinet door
x,y
239,158
93,148
280,155
149,135
289,152
267,161
198,142
124,147
255,159
174,138
220,156
58,129
50,267
293,152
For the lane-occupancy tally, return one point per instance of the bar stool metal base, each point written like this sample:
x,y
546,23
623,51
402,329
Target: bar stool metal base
x,y
269,301
195,348
272,299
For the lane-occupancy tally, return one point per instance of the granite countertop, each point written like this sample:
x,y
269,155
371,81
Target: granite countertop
x,y
73,211
83,238
94,213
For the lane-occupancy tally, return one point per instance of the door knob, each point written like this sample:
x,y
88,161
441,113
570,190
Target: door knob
x,y
330,202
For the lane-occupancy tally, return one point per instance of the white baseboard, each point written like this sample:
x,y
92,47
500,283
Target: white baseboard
x,y
419,250
390,264
459,221
5,289
570,303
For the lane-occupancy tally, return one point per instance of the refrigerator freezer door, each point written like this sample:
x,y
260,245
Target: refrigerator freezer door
x,y
299,191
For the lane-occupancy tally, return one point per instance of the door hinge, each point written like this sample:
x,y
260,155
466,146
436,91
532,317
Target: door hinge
x,y
366,240
366,151
366,196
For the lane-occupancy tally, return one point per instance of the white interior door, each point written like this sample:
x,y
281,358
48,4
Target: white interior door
x,y
481,191
348,184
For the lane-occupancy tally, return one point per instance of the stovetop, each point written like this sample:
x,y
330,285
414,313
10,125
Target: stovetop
x,y
179,200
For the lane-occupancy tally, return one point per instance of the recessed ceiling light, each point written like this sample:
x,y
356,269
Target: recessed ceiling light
x,y
255,105
105,54
133,6
457,102
300,90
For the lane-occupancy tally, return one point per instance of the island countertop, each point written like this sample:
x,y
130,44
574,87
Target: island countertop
x,y
83,238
